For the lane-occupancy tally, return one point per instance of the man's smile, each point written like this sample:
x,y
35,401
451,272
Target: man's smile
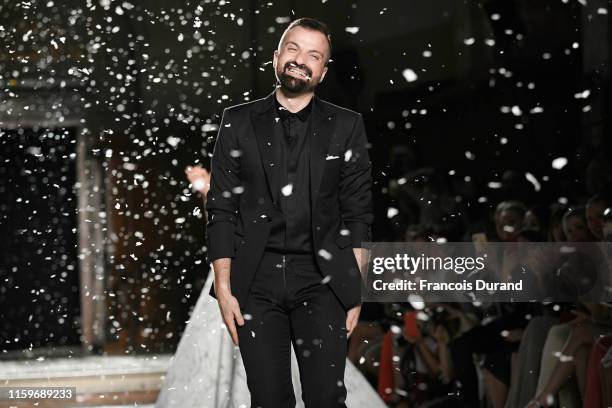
x,y
296,72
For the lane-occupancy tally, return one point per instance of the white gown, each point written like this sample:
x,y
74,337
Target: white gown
x,y
207,369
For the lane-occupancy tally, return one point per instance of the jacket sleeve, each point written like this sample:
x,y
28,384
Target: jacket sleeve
x,y
356,206
222,200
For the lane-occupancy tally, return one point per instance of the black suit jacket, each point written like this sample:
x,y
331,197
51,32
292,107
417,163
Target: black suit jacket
x,y
239,203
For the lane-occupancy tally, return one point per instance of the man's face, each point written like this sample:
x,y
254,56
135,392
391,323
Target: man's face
x,y
594,214
531,221
508,225
299,63
576,229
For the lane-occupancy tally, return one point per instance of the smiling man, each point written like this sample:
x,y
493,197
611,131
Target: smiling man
x,y
290,203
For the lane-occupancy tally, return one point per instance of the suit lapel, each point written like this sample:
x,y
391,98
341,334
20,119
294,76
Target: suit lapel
x,y
263,126
321,131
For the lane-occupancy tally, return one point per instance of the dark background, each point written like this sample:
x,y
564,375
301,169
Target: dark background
x,y
140,86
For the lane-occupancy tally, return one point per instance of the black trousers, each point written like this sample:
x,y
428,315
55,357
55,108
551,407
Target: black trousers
x,y
289,303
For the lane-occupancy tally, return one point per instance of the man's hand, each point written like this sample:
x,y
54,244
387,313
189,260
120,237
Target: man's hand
x,y
230,311
352,317
362,255
199,178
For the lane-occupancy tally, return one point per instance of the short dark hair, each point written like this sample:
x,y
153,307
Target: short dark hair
x,y
579,211
600,198
511,205
312,24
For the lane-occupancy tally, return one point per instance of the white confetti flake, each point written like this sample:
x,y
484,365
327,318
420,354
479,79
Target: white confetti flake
x,y
173,141
416,301
533,180
282,19
287,190
324,254
347,155
559,163
537,109
409,75
582,95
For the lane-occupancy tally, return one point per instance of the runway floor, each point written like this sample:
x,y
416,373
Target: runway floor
x,y
100,381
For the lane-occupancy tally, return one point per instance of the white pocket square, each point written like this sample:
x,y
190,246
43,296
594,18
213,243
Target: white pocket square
x,y
328,157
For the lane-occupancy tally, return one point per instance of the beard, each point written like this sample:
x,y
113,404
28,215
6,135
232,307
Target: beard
x,y
293,84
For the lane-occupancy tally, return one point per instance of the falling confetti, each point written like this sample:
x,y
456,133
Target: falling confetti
x,y
409,75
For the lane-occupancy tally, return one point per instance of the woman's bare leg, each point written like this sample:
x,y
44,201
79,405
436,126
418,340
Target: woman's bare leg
x,y
496,390
581,336
582,362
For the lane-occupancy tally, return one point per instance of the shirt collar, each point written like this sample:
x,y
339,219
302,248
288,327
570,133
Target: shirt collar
x,y
285,113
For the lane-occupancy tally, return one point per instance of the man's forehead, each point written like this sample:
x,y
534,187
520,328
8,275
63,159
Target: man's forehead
x,y
305,37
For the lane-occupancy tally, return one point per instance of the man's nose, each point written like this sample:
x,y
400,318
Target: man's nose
x,y
300,58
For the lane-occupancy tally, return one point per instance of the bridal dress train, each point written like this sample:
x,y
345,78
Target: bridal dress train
x,y
207,369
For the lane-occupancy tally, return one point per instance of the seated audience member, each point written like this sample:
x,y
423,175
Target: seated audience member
x,y
593,395
575,226
555,223
567,363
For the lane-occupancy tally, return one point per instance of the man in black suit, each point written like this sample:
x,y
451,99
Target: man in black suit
x,y
290,203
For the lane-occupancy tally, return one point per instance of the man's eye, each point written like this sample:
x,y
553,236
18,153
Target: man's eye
x,y
315,57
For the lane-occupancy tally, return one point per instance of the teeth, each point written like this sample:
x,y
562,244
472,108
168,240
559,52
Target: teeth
x,y
299,72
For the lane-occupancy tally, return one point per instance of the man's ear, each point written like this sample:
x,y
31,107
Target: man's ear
x,y
274,58
323,74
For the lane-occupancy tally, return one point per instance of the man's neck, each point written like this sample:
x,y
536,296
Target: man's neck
x,y
293,103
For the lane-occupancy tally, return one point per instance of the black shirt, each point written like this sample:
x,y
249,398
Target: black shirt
x,y
292,233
